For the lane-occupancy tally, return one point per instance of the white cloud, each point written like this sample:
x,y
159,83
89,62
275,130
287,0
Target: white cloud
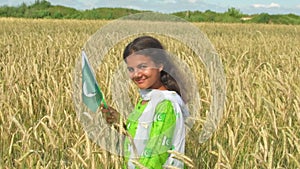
x,y
274,5
192,1
133,7
169,1
271,5
298,6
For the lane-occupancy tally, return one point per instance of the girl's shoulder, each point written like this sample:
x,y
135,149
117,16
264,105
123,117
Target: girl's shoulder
x,y
172,96
170,100
164,104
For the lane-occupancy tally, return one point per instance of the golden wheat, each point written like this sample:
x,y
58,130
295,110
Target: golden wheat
x,y
38,123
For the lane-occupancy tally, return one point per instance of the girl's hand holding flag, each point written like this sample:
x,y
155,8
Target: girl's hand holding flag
x,y
110,114
92,95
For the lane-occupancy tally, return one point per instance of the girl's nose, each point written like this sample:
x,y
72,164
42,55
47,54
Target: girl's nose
x,y
136,73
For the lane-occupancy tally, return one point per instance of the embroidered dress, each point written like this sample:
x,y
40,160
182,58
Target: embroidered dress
x,y
156,127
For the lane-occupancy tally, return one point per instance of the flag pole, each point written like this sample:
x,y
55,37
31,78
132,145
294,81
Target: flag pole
x,y
103,100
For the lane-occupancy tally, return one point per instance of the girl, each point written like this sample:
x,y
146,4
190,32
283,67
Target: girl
x,y
157,121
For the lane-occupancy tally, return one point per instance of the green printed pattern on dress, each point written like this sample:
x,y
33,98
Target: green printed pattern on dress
x,y
160,139
161,135
131,126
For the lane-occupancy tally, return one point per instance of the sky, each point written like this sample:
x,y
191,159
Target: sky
x,y
170,6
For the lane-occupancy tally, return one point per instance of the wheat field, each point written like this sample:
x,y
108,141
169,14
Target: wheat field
x,y
39,128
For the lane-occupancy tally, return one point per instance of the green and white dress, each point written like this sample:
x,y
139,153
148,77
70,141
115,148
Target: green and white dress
x,y
155,128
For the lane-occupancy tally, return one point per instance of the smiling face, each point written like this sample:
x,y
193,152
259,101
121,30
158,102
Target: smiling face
x,y
144,72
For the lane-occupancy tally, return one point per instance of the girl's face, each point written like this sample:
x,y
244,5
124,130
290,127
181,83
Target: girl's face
x,y
144,72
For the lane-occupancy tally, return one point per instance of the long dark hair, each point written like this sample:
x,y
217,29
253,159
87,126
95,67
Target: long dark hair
x,y
151,47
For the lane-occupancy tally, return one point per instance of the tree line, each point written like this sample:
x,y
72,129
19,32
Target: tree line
x,y
44,9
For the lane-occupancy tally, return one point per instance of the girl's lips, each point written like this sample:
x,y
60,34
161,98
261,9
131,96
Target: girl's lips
x,y
139,81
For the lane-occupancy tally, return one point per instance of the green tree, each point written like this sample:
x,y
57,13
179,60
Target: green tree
x,y
57,15
262,18
234,12
43,4
22,9
210,15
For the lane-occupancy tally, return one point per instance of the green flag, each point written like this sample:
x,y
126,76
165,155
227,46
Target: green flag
x,y
91,93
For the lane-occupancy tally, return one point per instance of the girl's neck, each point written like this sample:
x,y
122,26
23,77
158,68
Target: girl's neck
x,y
147,94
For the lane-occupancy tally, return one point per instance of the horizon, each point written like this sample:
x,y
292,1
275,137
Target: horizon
x,y
173,6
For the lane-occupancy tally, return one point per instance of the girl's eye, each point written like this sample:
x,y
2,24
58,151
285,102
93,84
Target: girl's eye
x,y
130,69
142,66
